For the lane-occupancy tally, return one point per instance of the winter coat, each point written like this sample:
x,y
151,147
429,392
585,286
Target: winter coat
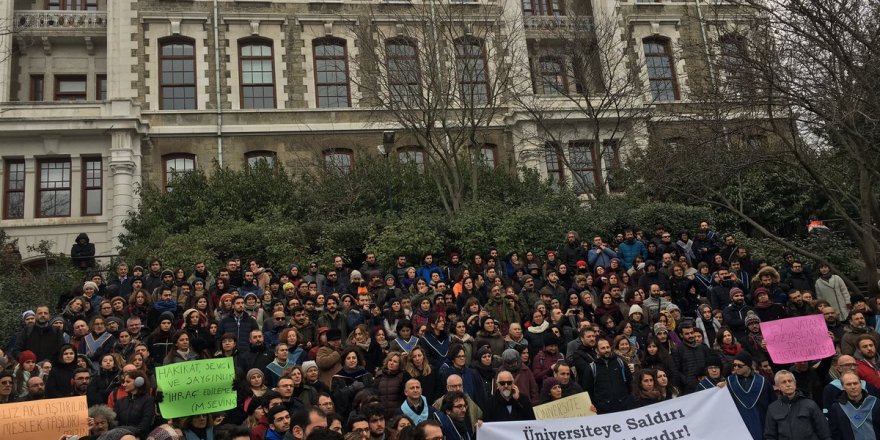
x,y
241,328
83,254
627,251
520,409
835,292
136,411
795,419
44,341
840,424
390,386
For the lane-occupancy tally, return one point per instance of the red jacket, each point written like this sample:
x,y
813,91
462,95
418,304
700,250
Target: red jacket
x,y
869,373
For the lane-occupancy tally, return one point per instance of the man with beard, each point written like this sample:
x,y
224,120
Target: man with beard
x,y
690,357
455,384
796,306
453,271
868,362
40,338
238,323
81,379
332,318
857,327
734,314
719,295
542,365
655,303
630,249
375,415
153,278
651,276
314,275
608,381
256,355
453,417
36,389
507,403
751,394
832,321
304,325
562,378
279,424
553,288
585,354
201,271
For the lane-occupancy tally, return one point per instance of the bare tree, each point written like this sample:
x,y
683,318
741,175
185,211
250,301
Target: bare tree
x,y
587,85
793,83
441,74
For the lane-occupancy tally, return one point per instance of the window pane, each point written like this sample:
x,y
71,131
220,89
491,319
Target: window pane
x,y
93,201
177,76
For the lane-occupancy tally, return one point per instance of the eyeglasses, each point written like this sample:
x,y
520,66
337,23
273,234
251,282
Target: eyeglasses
x,y
5,382
505,383
848,365
736,365
281,318
460,406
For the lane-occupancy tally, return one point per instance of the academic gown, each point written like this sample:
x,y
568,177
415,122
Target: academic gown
x,y
752,395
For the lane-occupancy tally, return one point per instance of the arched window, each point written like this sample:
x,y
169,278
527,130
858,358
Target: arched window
x,y
414,155
174,165
471,64
339,160
257,73
331,73
177,77
255,157
404,74
661,69
552,71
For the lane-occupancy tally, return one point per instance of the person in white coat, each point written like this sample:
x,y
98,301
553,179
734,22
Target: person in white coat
x,y
831,288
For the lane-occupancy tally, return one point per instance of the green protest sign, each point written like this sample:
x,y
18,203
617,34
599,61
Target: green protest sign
x,y
196,387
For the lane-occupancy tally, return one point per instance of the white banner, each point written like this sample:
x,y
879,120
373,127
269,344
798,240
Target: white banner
x,y
702,415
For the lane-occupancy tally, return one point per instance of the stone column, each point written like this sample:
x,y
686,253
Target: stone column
x,y
120,45
122,172
7,10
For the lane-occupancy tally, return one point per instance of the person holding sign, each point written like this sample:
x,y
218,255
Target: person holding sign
x,y
855,414
137,409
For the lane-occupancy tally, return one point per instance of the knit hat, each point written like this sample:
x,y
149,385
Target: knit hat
x,y
166,316
650,263
509,356
744,357
226,296
734,291
167,272
525,278
714,361
27,313
90,284
389,276
25,356
483,351
672,307
309,364
187,313
551,339
660,328
761,291
532,267
250,294
56,319
635,308
115,319
255,372
288,285
752,318
356,274
581,264
334,334
856,298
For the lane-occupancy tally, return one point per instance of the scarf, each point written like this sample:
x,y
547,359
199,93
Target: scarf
x,y
410,412
165,306
688,248
538,329
365,346
383,345
438,346
731,349
858,416
407,346
93,344
277,369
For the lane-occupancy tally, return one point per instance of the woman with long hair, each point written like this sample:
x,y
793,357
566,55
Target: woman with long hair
x,y
137,409
392,315
405,341
26,369
182,351
139,304
301,390
390,380
352,378
418,367
645,388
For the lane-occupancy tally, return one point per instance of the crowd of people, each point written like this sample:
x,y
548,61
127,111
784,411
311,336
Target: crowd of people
x,y
431,351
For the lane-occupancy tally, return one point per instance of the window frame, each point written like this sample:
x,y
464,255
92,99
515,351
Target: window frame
x,y
331,41
561,87
544,8
477,42
665,44
7,190
35,90
38,208
167,41
330,163
101,81
408,155
611,163
59,95
595,168
493,149
413,83
72,5
256,41
270,157
167,185
86,186
556,173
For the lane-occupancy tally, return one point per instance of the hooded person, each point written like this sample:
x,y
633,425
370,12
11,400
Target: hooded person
x,y
83,252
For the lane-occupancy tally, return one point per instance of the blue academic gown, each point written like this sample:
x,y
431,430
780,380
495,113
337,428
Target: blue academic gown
x,y
752,396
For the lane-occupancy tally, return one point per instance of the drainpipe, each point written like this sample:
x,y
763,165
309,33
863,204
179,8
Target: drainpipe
x,y
705,39
217,88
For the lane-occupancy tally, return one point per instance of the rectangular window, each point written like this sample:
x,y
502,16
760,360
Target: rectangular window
x,y
661,69
472,75
177,79
554,165
92,189
101,87
257,76
73,5
14,189
338,160
583,166
53,197
331,73
404,74
611,162
487,155
177,165
70,87
38,84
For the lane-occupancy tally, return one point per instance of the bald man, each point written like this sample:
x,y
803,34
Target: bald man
x,y
455,383
845,363
507,404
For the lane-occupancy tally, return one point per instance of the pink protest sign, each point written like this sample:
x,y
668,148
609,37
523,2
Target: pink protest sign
x,y
804,338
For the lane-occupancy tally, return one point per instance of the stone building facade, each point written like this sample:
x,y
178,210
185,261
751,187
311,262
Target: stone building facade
x,y
100,96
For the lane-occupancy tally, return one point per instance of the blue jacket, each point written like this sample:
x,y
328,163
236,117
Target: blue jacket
x,y
628,252
601,258
425,272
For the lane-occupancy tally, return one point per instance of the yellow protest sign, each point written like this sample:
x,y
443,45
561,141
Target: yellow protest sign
x,y
44,419
577,405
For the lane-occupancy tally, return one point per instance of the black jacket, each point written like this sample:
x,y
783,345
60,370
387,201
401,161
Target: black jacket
x,y
83,254
137,412
520,409
796,419
45,342
608,382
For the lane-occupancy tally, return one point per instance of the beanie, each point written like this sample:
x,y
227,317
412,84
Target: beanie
x,y
187,313
484,350
27,313
744,357
761,291
25,356
309,365
635,308
255,372
509,356
752,318
166,316
90,285
660,328
551,339
334,334
734,291
288,285
672,307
